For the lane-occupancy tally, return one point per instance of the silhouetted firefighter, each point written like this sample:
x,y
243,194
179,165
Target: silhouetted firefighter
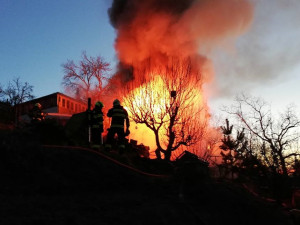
x,y
118,116
96,123
36,114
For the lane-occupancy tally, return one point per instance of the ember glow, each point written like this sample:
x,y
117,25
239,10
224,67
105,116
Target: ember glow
x,y
152,33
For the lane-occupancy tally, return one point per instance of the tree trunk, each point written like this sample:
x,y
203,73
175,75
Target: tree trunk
x,y
283,166
157,153
167,155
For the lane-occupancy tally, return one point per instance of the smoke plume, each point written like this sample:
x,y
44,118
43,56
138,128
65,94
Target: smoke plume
x,y
266,53
164,29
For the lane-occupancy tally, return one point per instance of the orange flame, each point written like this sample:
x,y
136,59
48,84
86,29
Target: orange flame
x,y
154,97
162,30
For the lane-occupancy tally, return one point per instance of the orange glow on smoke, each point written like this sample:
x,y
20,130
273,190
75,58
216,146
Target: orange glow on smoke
x,y
202,26
152,33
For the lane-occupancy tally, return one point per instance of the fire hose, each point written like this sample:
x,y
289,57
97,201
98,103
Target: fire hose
x,y
108,158
186,204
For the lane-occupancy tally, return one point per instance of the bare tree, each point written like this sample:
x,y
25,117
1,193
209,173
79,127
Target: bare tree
x,y
276,136
169,104
16,92
86,78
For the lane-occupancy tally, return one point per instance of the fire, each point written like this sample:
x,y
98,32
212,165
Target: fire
x,y
142,99
158,97
153,99
150,34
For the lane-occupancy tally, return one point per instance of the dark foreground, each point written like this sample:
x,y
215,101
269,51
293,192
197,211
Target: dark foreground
x,y
63,186
53,185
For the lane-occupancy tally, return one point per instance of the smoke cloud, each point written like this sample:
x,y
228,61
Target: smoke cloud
x,y
175,28
266,53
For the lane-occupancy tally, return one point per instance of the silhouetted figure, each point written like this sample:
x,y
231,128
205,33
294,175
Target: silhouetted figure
x,y
97,125
36,114
118,116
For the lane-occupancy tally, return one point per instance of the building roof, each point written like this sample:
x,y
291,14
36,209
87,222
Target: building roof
x,y
50,95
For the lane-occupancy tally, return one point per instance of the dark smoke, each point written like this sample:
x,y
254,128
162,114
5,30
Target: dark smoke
x,y
158,30
124,11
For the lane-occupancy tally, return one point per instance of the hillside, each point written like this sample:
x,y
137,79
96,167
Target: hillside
x,y
53,185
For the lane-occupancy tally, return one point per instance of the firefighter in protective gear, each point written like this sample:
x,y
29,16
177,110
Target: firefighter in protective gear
x,y
97,125
37,115
119,116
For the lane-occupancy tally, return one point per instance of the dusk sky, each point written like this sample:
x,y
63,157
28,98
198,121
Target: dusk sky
x,y
37,36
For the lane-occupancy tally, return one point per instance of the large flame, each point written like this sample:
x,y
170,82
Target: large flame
x,y
154,98
158,97
162,30
142,99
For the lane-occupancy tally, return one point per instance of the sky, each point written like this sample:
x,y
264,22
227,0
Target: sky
x,y
38,36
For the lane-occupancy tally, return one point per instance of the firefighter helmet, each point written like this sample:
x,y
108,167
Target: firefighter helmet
x,y
116,102
38,105
99,104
